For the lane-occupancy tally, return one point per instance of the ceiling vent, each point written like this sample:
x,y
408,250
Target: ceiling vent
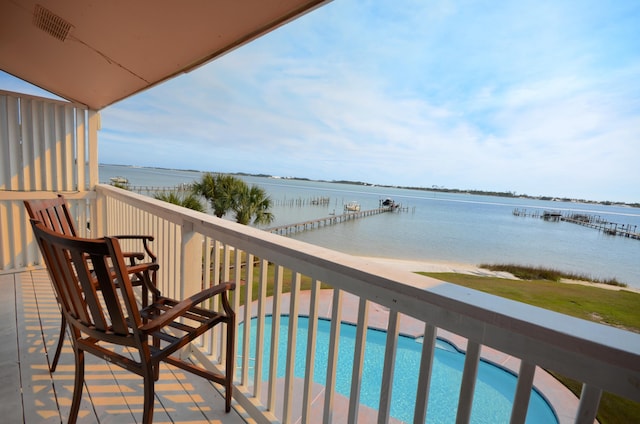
x,y
51,23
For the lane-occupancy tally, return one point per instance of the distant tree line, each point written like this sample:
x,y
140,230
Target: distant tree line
x,y
488,193
442,189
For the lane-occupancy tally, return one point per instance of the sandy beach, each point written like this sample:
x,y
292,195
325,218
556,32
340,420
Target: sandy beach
x,y
433,266
461,268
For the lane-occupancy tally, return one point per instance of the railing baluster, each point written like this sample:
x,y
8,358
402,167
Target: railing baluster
x,y
207,282
215,253
237,275
391,347
523,392
221,340
216,334
589,402
190,275
424,378
275,340
164,257
358,360
226,263
311,352
471,361
332,360
262,296
291,348
175,265
246,337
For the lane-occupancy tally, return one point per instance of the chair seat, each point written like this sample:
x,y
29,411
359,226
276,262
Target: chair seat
x,y
194,322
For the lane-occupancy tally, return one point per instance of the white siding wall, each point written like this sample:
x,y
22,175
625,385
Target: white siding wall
x,y
45,147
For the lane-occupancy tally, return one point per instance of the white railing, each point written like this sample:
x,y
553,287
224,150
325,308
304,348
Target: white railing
x,y
601,357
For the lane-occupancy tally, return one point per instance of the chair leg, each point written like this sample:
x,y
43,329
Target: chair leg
x,y
56,356
148,375
145,296
228,395
77,386
156,368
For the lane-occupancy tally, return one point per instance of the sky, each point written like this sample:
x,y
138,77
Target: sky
x,y
536,97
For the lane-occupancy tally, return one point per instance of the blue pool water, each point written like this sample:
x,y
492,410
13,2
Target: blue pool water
x,y
494,392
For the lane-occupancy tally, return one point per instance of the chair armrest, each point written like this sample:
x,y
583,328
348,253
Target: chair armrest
x,y
183,306
147,266
133,237
142,271
135,255
145,240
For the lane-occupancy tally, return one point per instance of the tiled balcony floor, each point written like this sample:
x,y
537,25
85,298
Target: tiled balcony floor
x,y
29,393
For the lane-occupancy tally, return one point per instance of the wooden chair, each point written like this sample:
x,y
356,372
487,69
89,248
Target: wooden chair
x,y
55,215
100,312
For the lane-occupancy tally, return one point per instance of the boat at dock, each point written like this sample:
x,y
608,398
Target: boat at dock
x,y
119,180
389,203
352,207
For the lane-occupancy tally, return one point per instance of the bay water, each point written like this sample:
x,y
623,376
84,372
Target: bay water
x,y
439,227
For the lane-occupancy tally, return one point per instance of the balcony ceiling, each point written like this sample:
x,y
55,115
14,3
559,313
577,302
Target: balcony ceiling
x,y
96,52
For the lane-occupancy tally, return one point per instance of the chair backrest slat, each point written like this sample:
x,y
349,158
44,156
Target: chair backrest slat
x,y
93,280
84,268
65,281
53,213
106,280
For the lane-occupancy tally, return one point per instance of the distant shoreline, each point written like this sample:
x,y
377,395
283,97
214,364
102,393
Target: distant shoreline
x,y
149,167
430,189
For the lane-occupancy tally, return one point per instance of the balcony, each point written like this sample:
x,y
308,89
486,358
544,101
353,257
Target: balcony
x,y
50,146
200,250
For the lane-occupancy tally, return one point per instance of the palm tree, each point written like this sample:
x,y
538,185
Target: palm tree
x,y
228,189
206,187
253,203
228,193
220,190
187,200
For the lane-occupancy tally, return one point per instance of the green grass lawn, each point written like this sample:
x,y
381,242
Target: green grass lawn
x,y
611,307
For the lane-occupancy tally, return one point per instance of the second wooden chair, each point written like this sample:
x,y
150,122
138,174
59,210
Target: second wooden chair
x,y
55,214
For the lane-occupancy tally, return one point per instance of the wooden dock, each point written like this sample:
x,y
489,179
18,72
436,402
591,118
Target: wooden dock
x,y
586,220
323,222
302,202
147,190
297,202
610,228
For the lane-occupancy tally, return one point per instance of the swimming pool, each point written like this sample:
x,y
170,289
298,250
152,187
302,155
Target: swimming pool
x,y
494,390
